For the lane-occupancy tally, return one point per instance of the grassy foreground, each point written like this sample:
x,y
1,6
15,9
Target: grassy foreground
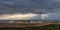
x,y
48,27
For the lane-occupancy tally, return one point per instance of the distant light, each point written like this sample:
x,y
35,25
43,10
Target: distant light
x,y
44,16
11,21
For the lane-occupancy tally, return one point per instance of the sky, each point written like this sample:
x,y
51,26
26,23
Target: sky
x,y
12,9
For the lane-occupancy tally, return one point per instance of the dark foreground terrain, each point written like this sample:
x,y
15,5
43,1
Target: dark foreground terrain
x,y
48,27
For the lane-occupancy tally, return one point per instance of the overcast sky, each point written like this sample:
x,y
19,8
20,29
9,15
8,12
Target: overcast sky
x,y
31,6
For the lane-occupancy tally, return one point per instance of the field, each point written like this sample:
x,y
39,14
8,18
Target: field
x,y
48,27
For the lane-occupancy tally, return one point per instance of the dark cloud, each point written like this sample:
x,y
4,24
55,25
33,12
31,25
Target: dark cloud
x,y
29,6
